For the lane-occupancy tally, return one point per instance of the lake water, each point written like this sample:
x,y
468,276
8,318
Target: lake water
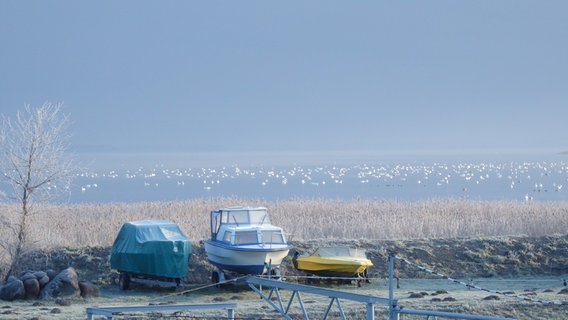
x,y
273,177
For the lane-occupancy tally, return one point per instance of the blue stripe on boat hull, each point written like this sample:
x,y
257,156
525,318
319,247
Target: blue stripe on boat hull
x,y
242,269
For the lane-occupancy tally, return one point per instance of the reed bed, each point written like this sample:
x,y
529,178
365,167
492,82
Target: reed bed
x,y
87,225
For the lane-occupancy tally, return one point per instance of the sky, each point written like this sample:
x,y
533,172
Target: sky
x,y
278,76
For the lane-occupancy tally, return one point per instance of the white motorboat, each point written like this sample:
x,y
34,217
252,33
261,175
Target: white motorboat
x,y
244,241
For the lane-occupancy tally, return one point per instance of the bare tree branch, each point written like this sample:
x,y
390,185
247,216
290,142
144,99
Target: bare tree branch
x,y
34,163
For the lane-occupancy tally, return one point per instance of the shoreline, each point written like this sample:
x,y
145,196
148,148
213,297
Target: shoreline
x,y
487,262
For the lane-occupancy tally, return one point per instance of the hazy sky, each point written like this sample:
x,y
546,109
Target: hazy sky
x,y
292,75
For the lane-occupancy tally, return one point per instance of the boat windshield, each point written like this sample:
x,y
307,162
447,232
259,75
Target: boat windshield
x,y
251,237
246,237
238,216
246,217
272,236
259,217
340,252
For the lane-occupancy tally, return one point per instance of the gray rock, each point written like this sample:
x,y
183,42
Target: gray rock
x,y
32,288
63,285
42,277
27,275
88,289
12,290
51,273
63,302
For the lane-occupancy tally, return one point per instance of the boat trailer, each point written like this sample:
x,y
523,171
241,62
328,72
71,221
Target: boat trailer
x,y
394,310
257,283
296,289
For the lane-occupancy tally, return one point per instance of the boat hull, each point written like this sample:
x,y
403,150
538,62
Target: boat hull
x,y
332,266
245,259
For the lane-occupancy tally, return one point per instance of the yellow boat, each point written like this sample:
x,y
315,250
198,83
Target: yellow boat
x,y
334,262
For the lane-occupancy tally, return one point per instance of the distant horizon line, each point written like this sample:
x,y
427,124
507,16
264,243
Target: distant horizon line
x,y
287,158
385,152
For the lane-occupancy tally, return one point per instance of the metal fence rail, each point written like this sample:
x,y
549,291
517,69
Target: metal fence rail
x,y
333,295
395,310
108,312
434,314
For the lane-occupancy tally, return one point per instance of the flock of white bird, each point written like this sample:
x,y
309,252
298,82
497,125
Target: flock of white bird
x,y
520,181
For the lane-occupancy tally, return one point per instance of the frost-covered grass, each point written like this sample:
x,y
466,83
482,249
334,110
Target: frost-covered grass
x,y
79,225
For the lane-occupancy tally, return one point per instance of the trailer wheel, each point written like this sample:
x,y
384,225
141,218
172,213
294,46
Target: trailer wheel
x,y
124,281
218,278
179,286
276,273
215,278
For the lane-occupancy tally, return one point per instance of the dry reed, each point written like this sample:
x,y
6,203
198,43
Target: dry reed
x,y
84,225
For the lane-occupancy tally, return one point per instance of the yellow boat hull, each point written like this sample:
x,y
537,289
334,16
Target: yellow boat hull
x,y
332,266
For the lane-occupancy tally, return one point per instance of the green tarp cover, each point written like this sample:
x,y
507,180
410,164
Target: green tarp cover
x,y
151,247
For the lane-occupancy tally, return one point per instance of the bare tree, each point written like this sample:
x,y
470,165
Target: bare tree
x,y
35,165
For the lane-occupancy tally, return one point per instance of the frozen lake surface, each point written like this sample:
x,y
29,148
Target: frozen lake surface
x,y
168,177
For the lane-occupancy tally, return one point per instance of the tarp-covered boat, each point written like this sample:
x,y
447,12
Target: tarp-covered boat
x,y
244,241
334,261
154,249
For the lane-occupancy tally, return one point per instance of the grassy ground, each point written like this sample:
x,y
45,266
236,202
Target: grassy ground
x,y
533,267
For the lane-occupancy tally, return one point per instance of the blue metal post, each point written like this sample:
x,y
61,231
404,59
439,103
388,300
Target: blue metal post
x,y
393,315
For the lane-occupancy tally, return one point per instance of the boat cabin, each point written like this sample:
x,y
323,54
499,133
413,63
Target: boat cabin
x,y
244,225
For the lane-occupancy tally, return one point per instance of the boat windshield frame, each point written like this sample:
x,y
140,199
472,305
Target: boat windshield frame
x,y
254,236
340,251
238,216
